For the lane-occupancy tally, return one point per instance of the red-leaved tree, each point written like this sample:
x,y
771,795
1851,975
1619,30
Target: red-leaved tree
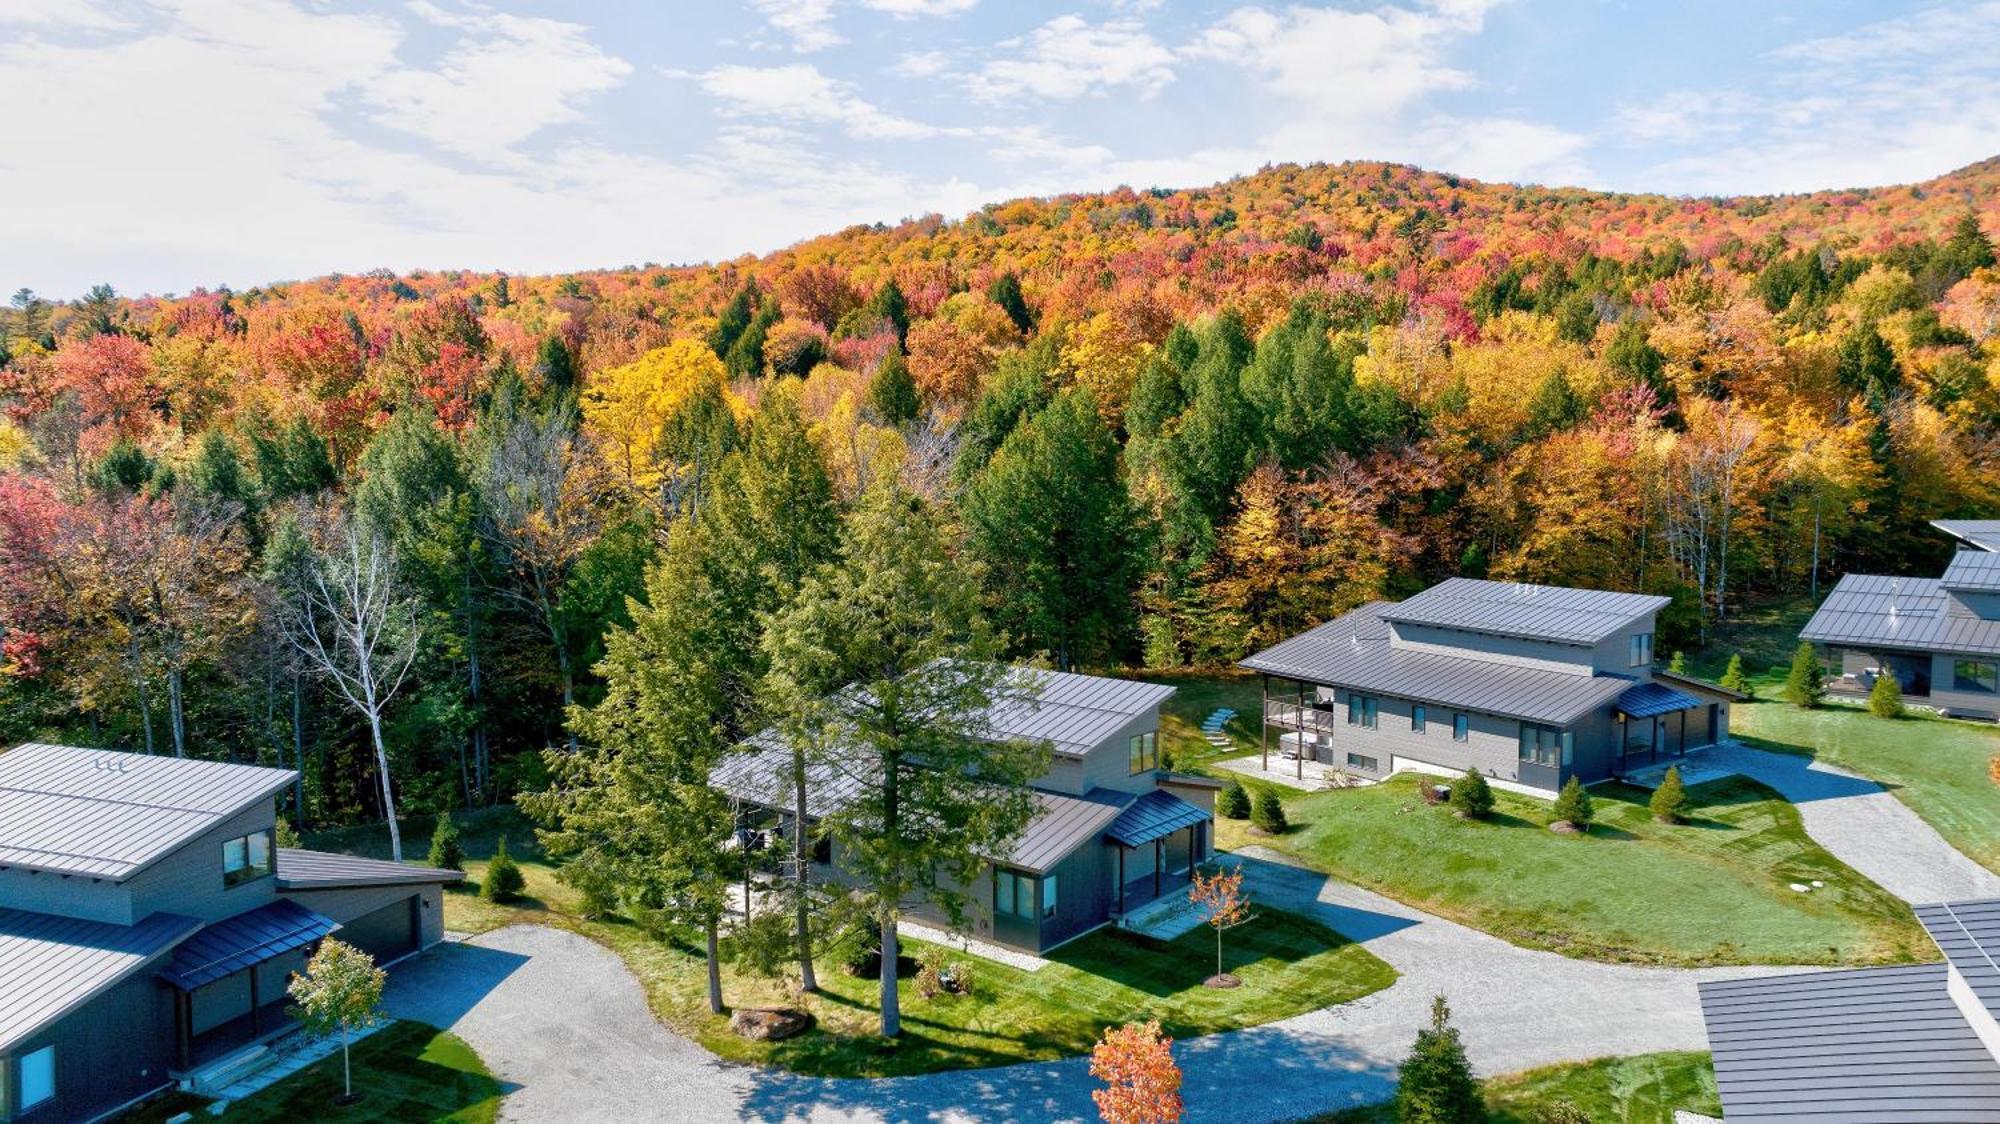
x,y
1142,1085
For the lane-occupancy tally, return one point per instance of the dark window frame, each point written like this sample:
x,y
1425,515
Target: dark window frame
x,y
1987,683
1547,746
1142,752
1363,761
1364,711
1461,726
1419,718
251,870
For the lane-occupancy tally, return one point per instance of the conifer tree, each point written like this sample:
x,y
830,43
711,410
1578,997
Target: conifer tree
x,y
1805,685
446,854
1733,678
1573,805
1885,698
1233,803
1435,1084
1668,799
1472,797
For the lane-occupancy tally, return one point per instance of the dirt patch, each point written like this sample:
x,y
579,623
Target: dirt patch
x,y
1564,827
1225,980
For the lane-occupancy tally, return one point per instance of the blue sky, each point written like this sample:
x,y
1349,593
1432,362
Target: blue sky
x,y
165,144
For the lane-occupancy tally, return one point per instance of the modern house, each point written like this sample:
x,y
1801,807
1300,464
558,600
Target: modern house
x,y
1529,684
149,923
1113,830
1940,637
1868,1045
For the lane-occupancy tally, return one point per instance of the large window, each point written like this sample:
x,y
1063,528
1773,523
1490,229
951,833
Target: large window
x,y
1014,894
38,1077
1361,711
1360,761
1417,718
1461,727
1048,895
1642,649
1144,751
1546,745
1973,675
246,858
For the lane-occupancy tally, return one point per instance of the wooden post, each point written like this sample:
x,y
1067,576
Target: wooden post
x,y
1121,878
1264,726
1159,860
254,1005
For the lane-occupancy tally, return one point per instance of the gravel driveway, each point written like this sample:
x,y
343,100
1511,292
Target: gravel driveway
x,y
1865,826
561,1020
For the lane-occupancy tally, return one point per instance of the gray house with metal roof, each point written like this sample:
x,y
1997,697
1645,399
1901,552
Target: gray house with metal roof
x,y
1868,1045
1940,637
1529,684
1113,830
149,923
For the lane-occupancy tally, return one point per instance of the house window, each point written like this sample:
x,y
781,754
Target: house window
x,y
1361,711
246,858
1417,718
38,1077
1546,745
1642,649
1461,727
1144,752
1358,761
1014,894
1972,675
1048,895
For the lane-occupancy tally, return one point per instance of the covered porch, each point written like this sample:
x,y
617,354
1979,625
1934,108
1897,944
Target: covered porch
x,y
1659,724
1159,840
229,980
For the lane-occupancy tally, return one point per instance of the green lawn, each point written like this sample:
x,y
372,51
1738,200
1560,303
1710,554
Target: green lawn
x,y
404,1072
1196,696
1712,891
1645,1089
1937,766
1288,965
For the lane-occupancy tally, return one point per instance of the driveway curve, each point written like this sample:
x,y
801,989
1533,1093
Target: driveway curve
x,y
1863,825
561,1020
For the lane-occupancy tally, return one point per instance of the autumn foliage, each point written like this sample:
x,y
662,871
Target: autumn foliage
x,y
1142,1085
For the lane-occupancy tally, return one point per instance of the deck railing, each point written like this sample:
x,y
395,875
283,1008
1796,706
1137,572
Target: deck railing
x,y
1306,719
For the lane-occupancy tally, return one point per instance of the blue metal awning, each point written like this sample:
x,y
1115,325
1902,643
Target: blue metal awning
x,y
1155,815
1648,699
229,946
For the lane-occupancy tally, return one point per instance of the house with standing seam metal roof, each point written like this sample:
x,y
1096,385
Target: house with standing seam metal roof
x,y
1939,637
149,922
1529,684
1112,829
1896,1045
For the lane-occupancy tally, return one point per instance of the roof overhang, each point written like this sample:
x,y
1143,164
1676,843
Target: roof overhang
x,y
1648,699
1155,815
244,941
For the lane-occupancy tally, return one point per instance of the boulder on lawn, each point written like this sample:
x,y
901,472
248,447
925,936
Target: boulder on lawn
x,y
769,1024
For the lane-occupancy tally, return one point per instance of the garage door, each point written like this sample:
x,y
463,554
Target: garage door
x,y
386,933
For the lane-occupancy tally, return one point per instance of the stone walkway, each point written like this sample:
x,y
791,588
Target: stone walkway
x,y
1863,825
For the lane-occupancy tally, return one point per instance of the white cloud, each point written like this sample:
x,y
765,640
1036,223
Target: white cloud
x,y
910,9
1068,57
809,23
80,15
801,94
921,64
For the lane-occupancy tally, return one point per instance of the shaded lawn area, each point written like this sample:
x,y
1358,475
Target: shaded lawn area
x,y
1197,694
404,1072
1936,766
1714,890
1642,1089
1288,964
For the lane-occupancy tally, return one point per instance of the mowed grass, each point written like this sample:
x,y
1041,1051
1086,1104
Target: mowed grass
x,y
1714,890
404,1072
1198,694
1642,1089
1288,965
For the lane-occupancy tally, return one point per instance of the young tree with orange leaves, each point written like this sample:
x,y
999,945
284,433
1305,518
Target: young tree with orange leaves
x,y
1219,894
1142,1085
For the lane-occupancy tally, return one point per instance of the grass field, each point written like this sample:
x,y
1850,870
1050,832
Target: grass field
x,y
1644,1089
1288,965
1714,890
1196,696
1937,766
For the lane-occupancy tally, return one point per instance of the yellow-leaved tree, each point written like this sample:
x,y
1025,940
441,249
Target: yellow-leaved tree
x,y
629,407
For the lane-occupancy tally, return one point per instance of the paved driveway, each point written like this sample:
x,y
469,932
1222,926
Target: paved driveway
x,y
559,1018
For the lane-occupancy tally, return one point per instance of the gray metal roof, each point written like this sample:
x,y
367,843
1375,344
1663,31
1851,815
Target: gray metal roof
x,y
235,943
324,870
1910,613
1063,823
1982,533
107,814
1540,612
1648,699
1860,1046
1070,712
760,772
1973,571
51,965
1968,933
1155,815
1353,651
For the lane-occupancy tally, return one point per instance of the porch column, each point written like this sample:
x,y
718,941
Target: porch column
x,y
183,1026
1121,878
1684,733
1159,860
1264,725
254,1004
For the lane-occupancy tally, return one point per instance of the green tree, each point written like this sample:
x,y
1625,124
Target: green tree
x,y
1632,354
892,392
1885,698
446,854
217,472
1051,520
1678,664
1554,408
1968,248
1573,805
503,881
555,366
1267,813
1805,684
884,651
1472,797
292,460
889,304
733,320
1435,1084
340,989
1019,389
1733,678
1298,385
1005,291
1668,799
1233,803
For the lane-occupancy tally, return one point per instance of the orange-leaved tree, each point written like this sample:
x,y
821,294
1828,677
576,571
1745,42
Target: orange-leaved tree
x,y
1224,905
1142,1085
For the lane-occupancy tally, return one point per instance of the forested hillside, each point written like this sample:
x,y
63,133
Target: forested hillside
x,y
1164,427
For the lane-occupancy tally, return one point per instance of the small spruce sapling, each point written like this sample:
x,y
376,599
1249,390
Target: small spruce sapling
x,y
1805,684
1268,815
446,854
1885,698
1679,664
1435,1084
1234,803
503,881
1670,798
1734,679
1472,797
1573,806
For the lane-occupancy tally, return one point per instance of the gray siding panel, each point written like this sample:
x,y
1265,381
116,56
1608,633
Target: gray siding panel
x,y
190,879
49,966
111,1051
